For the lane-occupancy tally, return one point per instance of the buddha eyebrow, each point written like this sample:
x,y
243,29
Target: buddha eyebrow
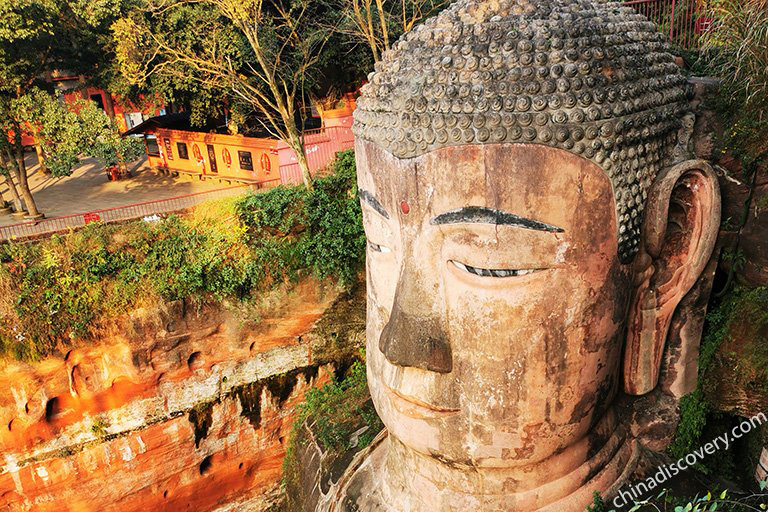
x,y
480,215
373,202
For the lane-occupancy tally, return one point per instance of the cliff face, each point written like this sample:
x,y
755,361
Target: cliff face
x,y
187,409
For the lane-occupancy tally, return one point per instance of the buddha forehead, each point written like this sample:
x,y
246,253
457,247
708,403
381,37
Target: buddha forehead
x,y
590,77
528,180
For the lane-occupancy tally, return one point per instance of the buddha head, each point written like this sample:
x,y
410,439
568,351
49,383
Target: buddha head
x,y
532,225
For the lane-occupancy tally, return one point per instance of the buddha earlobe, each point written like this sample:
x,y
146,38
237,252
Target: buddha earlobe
x,y
682,219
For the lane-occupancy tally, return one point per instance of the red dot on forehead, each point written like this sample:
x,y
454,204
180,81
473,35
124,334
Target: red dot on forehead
x,y
404,207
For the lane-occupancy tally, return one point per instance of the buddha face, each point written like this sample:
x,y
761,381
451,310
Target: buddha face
x,y
496,300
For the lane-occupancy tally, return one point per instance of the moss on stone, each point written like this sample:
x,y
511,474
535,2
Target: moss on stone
x,y
733,350
201,418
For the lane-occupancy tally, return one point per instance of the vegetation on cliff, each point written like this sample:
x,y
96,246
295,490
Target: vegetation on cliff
x,y
340,420
64,289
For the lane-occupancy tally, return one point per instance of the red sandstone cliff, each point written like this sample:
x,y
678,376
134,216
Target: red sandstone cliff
x,y
189,411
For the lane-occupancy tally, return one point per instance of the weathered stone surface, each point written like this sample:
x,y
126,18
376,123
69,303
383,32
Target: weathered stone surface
x,y
596,79
735,187
680,367
739,384
190,412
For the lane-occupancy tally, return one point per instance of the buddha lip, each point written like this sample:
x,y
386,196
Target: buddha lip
x,y
418,405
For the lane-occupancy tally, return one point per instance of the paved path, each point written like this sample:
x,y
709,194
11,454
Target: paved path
x,y
88,189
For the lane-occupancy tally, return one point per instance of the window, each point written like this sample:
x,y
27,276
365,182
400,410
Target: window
x,y
246,160
182,149
152,148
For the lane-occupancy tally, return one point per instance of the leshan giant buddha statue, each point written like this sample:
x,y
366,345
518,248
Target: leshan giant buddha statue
x,y
532,223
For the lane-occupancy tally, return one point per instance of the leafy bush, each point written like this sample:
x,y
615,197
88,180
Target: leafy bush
x,y
327,218
726,500
340,408
694,408
67,287
333,414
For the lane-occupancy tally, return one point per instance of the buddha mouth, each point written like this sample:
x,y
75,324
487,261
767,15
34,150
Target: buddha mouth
x,y
415,408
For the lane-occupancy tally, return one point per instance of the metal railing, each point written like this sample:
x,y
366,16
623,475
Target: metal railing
x,y
121,213
321,147
685,22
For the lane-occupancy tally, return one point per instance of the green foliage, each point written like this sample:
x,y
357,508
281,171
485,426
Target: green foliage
x,y
99,137
54,126
190,27
259,57
735,51
67,287
694,408
693,419
598,505
328,217
333,414
725,500
335,411
335,244
65,132
379,27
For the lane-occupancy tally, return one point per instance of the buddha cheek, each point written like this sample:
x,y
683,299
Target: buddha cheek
x,y
525,374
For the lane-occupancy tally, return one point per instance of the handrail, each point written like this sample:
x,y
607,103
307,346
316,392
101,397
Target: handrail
x,y
132,211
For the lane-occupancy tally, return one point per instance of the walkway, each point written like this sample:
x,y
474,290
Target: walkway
x,y
88,189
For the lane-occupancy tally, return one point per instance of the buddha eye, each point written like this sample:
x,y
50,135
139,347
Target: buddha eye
x,y
378,248
487,272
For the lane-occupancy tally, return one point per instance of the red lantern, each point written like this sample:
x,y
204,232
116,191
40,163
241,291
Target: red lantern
x,y
266,165
227,157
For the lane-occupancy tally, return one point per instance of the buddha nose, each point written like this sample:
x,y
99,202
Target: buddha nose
x,y
414,335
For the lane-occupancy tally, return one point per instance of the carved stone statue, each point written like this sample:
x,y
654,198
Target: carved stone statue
x,y
533,224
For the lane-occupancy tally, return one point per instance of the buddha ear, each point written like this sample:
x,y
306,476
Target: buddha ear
x,y
682,219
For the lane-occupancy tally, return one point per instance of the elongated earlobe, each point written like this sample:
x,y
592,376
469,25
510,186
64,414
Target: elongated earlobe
x,y
682,218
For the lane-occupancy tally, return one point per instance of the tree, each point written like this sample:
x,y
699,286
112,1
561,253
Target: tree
x,y
5,174
378,23
12,158
100,137
54,126
263,54
36,37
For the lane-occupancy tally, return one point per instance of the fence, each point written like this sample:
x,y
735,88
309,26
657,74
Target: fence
x,y
133,211
321,147
686,22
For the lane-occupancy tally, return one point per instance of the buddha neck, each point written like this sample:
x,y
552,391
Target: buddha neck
x,y
564,481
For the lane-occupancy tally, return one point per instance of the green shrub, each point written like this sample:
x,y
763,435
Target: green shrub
x,y
694,408
333,414
69,286
336,242
338,409
319,229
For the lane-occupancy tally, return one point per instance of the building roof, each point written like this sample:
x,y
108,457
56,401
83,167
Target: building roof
x,y
177,121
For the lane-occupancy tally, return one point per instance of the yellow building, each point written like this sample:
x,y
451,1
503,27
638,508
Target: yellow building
x,y
212,155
